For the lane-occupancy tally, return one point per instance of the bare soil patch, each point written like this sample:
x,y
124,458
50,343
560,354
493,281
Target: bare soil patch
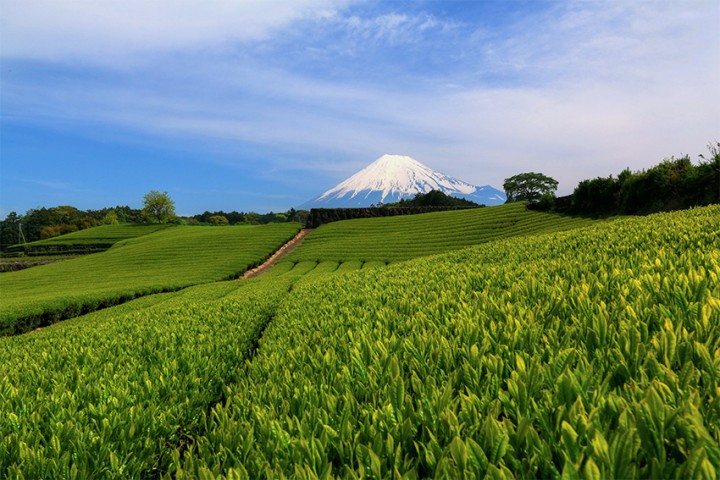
x,y
280,253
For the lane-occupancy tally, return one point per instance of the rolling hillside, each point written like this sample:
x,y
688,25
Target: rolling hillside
x,y
169,259
392,239
104,234
583,353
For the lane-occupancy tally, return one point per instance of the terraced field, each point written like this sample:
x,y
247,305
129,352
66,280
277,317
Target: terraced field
x,y
71,245
102,235
592,353
392,239
167,260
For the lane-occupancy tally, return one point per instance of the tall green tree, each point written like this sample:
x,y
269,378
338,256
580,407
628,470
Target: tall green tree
x,y
529,187
158,207
10,229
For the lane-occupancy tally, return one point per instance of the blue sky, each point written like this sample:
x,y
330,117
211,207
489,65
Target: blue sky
x,y
262,105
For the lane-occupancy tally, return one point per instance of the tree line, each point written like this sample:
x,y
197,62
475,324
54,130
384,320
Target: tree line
x,y
158,207
433,198
41,223
673,184
246,218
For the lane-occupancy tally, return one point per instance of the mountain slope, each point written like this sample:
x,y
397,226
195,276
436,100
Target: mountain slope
x,y
392,177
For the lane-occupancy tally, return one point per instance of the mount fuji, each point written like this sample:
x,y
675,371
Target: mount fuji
x,y
392,177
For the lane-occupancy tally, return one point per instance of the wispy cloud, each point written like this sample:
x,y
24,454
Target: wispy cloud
x,y
577,89
392,28
107,31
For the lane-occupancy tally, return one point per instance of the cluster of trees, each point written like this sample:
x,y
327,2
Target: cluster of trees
x,y
249,218
433,198
673,184
158,207
41,223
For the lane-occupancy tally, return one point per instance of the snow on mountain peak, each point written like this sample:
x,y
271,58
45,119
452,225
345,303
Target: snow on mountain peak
x,y
393,177
397,176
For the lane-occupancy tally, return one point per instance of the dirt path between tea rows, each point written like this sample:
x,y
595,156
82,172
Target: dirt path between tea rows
x,y
280,253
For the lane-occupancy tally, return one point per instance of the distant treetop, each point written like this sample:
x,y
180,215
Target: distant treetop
x,y
433,198
158,207
529,187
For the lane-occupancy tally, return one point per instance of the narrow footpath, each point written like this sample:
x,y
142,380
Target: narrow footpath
x,y
280,253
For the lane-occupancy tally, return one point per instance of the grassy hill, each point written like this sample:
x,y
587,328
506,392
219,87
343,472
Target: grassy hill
x,y
374,241
64,247
104,234
169,259
88,240
585,353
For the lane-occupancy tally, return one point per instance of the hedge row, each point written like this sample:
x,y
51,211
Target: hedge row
x,y
319,216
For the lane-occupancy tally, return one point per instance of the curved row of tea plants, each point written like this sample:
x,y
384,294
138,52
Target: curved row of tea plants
x,y
167,260
311,270
392,239
112,394
593,353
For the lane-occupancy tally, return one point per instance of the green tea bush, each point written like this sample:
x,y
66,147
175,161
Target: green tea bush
x,y
591,353
112,394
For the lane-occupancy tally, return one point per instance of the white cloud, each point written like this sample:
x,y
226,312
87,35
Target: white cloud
x,y
392,28
105,30
592,87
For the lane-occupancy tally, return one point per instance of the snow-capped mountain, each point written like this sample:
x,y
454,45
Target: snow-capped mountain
x,y
392,177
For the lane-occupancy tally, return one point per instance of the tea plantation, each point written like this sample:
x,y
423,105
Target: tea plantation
x,y
591,352
166,260
392,239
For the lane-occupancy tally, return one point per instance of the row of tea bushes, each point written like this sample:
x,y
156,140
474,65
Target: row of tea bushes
x,y
167,260
393,239
113,394
593,353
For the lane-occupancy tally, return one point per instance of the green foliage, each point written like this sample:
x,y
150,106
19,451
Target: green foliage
x,y
251,218
673,184
169,259
158,207
579,354
546,202
111,218
10,230
47,222
105,396
528,187
56,230
218,220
